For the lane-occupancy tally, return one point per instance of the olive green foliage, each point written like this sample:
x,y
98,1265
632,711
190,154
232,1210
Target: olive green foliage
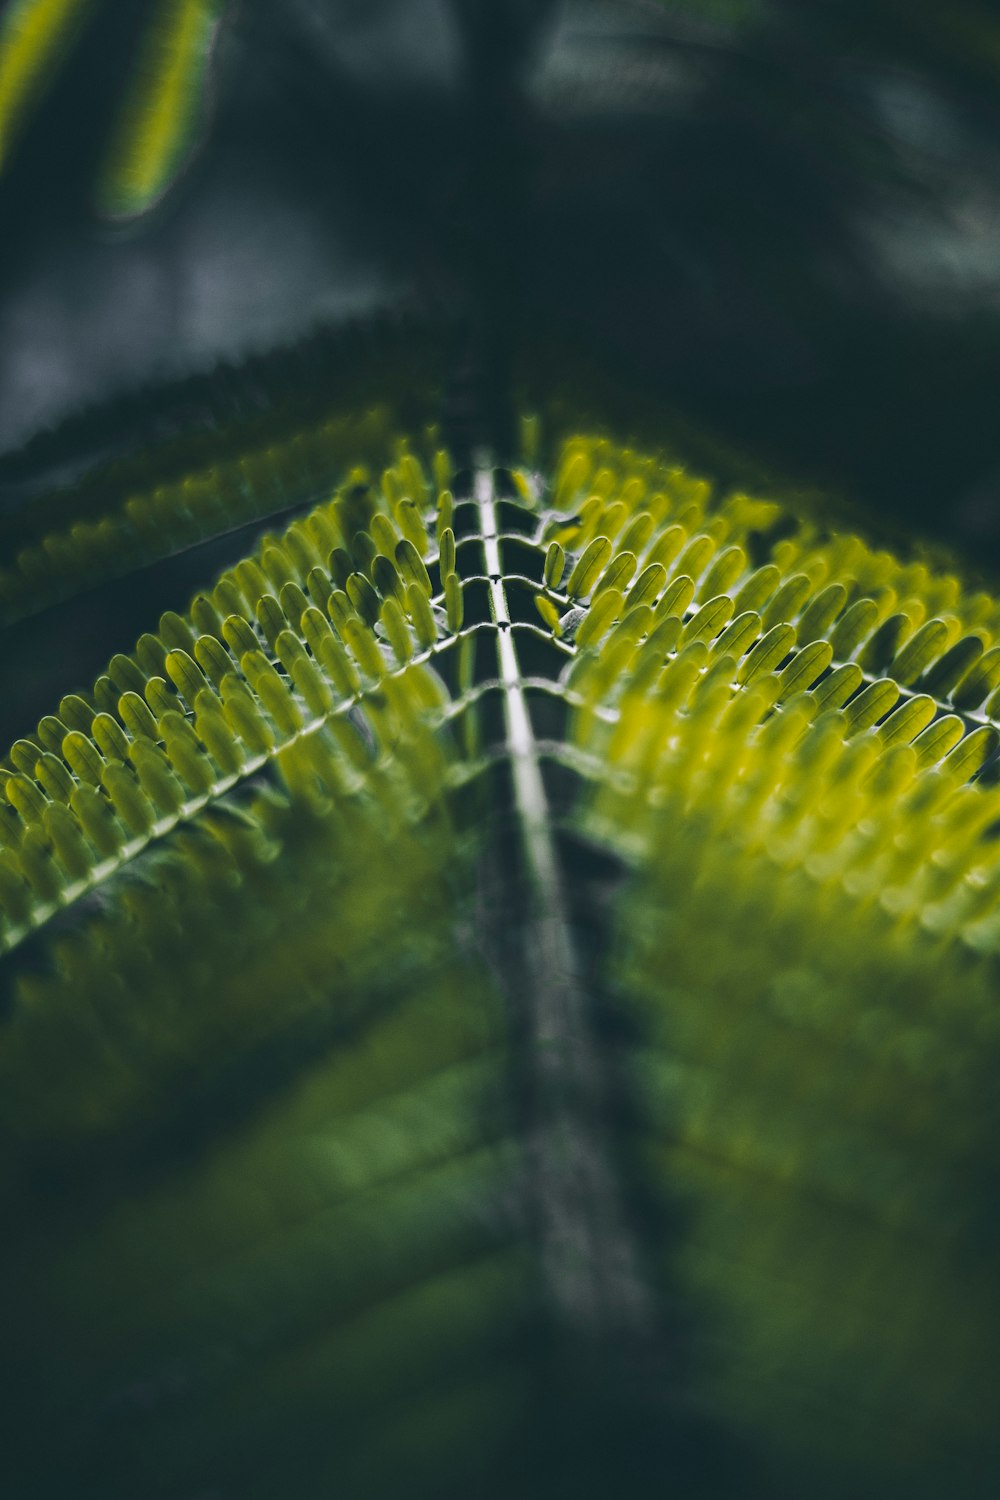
x,y
502,993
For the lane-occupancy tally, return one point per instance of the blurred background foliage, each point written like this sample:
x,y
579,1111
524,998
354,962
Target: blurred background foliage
x,y
782,221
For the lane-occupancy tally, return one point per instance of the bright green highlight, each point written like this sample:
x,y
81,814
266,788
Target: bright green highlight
x,y
164,113
33,36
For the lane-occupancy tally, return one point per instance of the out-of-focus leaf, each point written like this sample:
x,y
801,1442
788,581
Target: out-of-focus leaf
x,y
165,112
167,97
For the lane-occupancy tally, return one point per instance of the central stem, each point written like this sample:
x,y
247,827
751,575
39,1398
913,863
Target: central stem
x,y
588,1254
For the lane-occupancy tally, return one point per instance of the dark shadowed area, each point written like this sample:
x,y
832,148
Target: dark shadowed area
x,y
786,221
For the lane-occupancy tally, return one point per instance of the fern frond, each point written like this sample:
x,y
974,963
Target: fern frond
x,y
209,455
506,987
254,672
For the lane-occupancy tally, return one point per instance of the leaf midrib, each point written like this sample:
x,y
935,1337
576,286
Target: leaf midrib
x,y
588,1251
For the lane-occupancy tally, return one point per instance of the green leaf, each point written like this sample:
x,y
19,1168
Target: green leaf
x,y
463,1043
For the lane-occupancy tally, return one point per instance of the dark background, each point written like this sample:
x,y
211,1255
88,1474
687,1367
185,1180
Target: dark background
x,y
781,219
